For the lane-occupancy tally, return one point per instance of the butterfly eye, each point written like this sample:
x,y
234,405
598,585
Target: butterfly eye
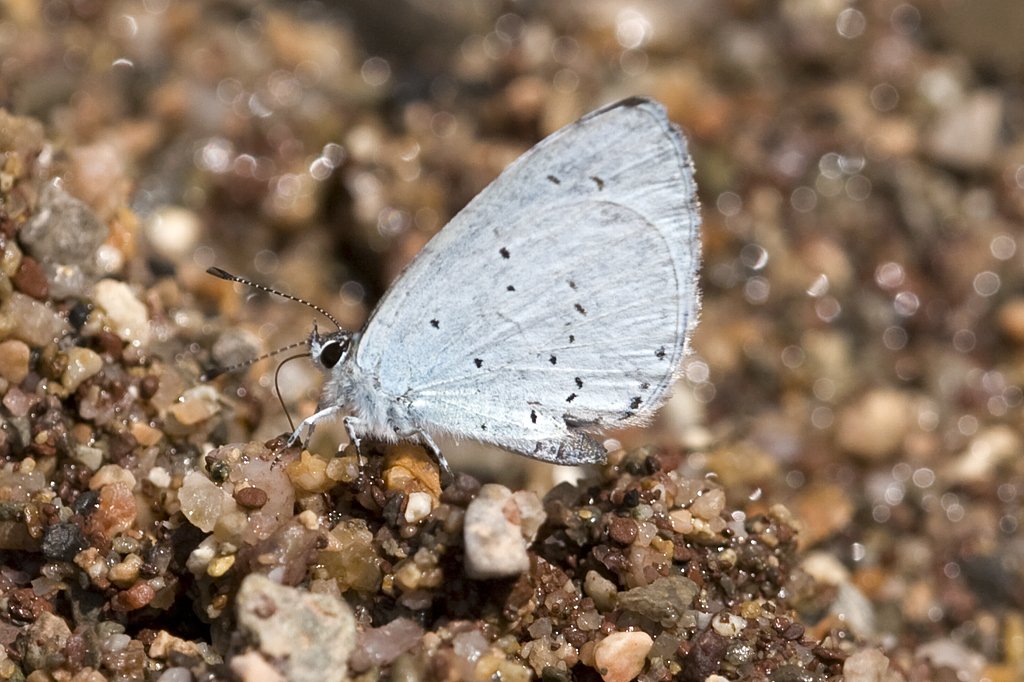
x,y
332,352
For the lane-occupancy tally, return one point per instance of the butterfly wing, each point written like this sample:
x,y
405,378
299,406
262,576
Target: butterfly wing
x,y
559,299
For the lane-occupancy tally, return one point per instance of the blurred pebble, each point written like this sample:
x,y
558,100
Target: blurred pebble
x,y
497,530
175,674
197,404
82,364
874,426
620,656
235,345
965,663
253,667
310,636
824,510
109,474
966,133
1011,319
869,665
35,323
14,357
64,234
30,279
988,450
173,231
125,313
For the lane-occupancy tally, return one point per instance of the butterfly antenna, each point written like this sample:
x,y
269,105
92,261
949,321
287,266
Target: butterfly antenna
x,y
277,386
217,371
224,274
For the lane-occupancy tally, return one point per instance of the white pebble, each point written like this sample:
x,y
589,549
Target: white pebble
x,y
418,506
497,530
729,625
173,232
126,314
620,656
159,477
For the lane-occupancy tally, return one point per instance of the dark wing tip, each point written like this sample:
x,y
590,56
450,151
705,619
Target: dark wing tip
x,y
634,101
218,272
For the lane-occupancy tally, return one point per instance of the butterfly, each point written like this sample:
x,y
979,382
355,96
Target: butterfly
x,y
557,304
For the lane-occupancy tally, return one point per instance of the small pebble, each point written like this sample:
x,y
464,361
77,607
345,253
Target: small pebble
x,y
310,636
1011,319
418,506
622,530
869,665
197,405
251,497
145,434
728,624
172,231
126,315
220,565
620,656
109,474
874,427
203,501
14,358
82,364
601,590
966,134
31,321
493,533
30,279
709,504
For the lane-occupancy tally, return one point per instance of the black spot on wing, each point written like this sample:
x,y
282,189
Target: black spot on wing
x,y
572,397
572,284
510,288
504,253
552,179
583,311
572,338
533,416
598,181
436,324
579,382
553,360
660,353
634,403
478,362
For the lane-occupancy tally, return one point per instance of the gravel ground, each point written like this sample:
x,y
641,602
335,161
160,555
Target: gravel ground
x,y
833,492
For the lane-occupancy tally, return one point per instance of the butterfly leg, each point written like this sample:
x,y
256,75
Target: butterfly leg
x,y
309,425
351,424
446,471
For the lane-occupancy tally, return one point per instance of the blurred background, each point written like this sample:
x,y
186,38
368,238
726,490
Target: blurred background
x,y
861,350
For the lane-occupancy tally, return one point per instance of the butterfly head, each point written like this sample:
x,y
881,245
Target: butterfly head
x,y
329,350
